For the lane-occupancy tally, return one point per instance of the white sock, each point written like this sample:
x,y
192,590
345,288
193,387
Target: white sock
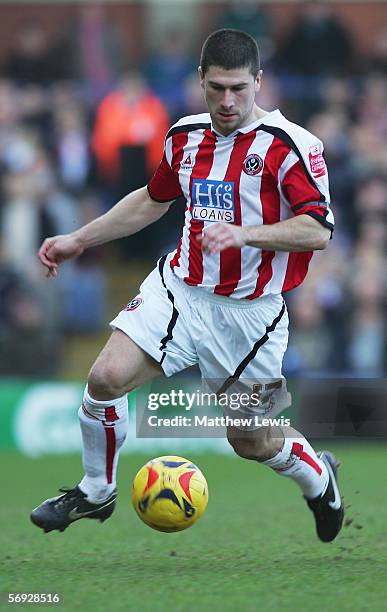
x,y
298,461
104,425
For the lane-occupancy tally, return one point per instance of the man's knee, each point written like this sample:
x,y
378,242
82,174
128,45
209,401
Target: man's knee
x,y
258,445
107,380
120,367
243,448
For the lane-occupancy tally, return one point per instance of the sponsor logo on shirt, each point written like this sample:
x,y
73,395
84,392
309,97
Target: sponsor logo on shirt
x,y
213,200
316,161
135,303
253,164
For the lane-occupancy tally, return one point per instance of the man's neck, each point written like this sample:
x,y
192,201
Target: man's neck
x,y
258,113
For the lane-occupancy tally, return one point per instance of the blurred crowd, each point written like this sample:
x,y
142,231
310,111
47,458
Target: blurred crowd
x,y
81,125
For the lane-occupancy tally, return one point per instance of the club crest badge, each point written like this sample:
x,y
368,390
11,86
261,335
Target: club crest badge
x,y
135,303
253,164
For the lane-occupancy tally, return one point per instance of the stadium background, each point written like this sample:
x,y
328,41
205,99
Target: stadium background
x,y
62,163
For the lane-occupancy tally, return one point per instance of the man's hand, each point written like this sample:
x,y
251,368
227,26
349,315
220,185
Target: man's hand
x,y
57,249
221,236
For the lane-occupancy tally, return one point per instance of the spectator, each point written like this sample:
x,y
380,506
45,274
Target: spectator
x,y
22,220
332,126
368,151
167,67
93,51
8,286
252,18
318,313
193,95
33,60
83,295
82,285
33,206
372,104
366,351
10,116
71,145
318,44
28,325
128,136
370,203
376,62
309,332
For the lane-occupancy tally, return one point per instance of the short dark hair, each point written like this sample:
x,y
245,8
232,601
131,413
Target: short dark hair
x,y
230,49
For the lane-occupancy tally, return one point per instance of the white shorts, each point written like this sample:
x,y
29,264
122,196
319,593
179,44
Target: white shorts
x,y
232,341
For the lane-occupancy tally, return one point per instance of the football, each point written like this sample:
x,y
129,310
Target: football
x,y
169,493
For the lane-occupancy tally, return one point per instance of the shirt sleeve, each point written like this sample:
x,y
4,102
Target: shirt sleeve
x,y
307,193
164,185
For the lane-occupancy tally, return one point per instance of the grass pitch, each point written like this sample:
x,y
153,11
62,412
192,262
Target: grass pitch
x,y
254,549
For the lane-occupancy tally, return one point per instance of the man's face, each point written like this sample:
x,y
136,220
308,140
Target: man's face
x,y
230,96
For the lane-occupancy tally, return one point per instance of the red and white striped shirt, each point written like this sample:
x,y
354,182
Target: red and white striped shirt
x,y
262,173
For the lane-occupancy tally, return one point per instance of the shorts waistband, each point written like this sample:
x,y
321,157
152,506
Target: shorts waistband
x,y
172,280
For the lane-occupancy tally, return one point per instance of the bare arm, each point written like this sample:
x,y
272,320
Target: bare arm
x,y
131,214
301,233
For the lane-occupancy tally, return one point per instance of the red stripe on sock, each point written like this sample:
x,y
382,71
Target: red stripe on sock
x,y
110,452
110,413
298,450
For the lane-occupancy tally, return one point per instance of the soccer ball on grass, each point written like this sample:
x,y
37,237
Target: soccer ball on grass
x,y
169,493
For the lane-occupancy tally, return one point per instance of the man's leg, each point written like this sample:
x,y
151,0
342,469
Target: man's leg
x,y
121,366
287,452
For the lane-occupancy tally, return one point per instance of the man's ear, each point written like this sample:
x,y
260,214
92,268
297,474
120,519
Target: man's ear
x,y
201,76
258,80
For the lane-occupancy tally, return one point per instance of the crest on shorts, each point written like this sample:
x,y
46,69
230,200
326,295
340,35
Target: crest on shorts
x,y
253,164
135,303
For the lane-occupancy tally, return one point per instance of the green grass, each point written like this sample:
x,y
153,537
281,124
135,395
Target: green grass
x,y
254,549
